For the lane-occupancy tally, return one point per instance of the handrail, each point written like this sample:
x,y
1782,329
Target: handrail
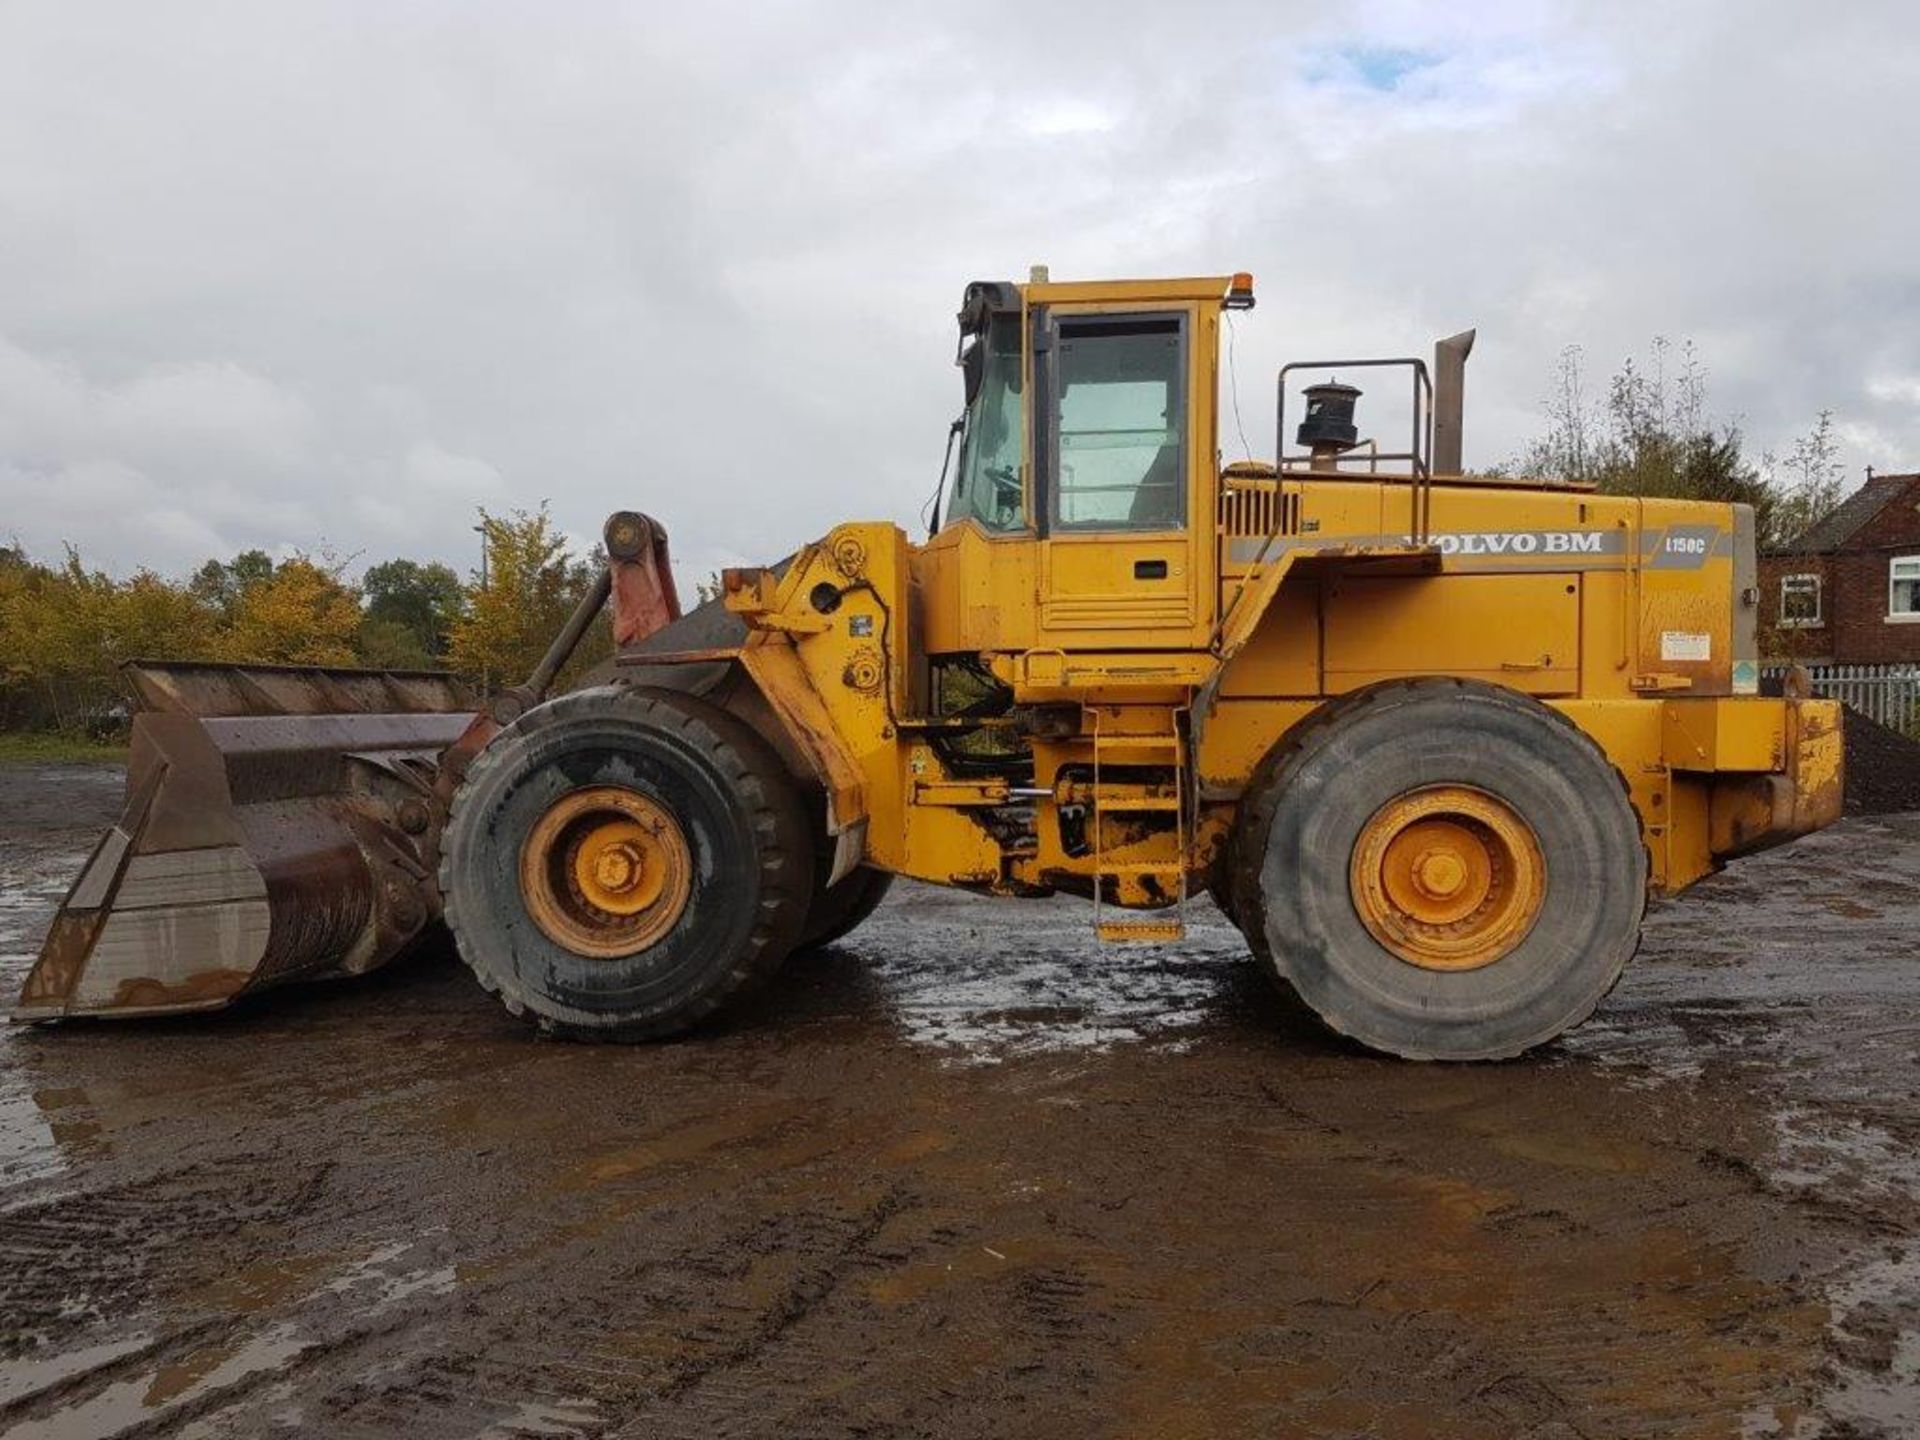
x,y
1419,454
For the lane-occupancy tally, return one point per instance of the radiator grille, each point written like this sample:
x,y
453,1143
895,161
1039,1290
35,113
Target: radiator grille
x,y
1259,512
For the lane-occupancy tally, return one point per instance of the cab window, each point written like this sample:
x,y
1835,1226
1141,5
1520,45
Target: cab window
x,y
1120,424
986,484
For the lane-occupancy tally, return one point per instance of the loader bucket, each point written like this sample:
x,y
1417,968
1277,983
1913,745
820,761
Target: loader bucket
x,y
281,824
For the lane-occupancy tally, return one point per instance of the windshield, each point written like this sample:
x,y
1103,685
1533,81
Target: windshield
x,y
986,487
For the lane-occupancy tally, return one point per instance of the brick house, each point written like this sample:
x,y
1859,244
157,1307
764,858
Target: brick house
x,y
1848,591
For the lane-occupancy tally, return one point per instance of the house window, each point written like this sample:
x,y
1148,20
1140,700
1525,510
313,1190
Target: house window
x,y
1903,587
1799,602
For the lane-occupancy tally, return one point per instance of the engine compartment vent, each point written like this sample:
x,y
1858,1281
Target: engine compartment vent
x,y
1254,503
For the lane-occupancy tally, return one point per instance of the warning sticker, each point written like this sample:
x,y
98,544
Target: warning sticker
x,y
1685,645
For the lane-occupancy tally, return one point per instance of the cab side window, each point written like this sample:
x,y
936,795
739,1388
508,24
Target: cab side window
x,y
987,485
1120,424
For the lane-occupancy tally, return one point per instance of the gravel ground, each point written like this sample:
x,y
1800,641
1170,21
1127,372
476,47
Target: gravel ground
x,y
967,1174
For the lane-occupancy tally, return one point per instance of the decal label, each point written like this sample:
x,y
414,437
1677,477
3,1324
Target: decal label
x,y
1674,547
1685,645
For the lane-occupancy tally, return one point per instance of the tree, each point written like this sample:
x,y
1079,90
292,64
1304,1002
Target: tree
x,y
65,632
302,614
389,645
1655,436
1808,483
421,600
221,583
1565,451
531,584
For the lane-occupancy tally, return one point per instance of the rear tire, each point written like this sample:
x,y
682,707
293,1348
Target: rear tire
x,y
1550,951
839,910
741,872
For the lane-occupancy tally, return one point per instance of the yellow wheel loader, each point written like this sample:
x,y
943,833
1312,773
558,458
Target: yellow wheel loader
x,y
1430,740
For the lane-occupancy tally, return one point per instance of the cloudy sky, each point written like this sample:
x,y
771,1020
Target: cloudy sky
x,y
332,275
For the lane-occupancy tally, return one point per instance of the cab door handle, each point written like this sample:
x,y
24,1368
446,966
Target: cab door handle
x,y
1149,569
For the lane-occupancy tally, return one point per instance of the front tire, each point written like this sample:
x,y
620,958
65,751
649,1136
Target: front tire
x,y
619,863
1442,870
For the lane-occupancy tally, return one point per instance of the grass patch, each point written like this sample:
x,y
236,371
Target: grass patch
x,y
25,747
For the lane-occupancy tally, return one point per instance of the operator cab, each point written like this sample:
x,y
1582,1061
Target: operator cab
x,y
1111,443
1086,452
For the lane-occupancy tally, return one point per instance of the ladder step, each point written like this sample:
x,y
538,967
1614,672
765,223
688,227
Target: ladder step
x,y
1140,932
1145,867
1137,803
1136,742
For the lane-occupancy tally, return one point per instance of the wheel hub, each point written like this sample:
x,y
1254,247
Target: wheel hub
x,y
1448,878
606,871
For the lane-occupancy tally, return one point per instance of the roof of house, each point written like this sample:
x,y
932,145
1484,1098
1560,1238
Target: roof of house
x,y
1853,513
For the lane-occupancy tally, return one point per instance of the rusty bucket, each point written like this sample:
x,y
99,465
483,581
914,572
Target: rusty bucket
x,y
281,824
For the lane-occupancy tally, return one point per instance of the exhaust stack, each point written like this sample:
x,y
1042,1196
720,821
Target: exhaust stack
x,y
1449,399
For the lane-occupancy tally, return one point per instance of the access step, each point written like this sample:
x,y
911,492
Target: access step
x,y
1140,932
1170,743
1137,804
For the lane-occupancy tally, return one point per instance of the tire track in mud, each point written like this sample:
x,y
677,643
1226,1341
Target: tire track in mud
x,y
926,1187
72,1262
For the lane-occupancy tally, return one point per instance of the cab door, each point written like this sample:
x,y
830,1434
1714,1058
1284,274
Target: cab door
x,y
1115,444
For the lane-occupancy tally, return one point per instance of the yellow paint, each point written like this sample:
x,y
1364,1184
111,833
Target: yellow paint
x,y
606,871
1448,878
1224,633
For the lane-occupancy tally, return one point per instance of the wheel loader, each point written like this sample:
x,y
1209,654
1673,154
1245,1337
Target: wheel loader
x,y
1430,740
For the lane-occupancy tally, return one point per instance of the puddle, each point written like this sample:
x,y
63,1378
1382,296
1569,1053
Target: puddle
x,y
373,1284
32,882
1877,1311
1874,1306
20,1378
126,1405
28,1149
991,998
560,1417
379,1288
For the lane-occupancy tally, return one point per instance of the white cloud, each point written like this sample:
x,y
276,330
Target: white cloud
x,y
1895,389
338,273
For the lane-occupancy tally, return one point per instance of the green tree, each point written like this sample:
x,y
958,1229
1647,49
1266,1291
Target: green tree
x,y
423,600
389,645
222,582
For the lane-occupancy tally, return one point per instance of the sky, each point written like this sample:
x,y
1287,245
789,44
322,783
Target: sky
x,y
327,277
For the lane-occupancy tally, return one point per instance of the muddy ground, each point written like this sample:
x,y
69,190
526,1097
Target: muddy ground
x,y
969,1175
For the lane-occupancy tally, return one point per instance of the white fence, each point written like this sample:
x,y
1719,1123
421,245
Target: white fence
x,y
1887,693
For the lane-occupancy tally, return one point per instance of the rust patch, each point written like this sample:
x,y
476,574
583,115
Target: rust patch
x,y
206,988
643,595
678,657
62,958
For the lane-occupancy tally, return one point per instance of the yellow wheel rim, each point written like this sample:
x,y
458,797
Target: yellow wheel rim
x,y
1448,878
606,872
